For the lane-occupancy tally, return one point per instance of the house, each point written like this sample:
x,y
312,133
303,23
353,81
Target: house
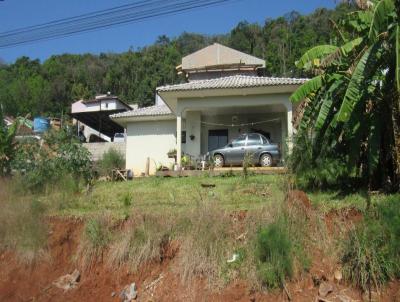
x,y
223,97
93,117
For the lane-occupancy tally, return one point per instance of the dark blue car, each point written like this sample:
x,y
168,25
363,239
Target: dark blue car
x,y
256,145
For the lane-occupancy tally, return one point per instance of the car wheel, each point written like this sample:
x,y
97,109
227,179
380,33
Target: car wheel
x,y
266,160
218,160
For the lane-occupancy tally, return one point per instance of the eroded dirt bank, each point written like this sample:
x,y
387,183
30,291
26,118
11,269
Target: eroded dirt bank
x,y
155,281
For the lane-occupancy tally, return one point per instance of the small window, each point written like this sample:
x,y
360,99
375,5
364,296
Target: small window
x,y
253,139
183,139
240,141
264,140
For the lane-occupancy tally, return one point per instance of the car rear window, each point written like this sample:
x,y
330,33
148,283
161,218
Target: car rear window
x,y
253,139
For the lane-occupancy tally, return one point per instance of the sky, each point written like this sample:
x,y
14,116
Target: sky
x,y
219,19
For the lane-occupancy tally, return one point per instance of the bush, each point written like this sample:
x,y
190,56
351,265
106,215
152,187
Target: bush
x,y
274,254
112,159
43,164
371,253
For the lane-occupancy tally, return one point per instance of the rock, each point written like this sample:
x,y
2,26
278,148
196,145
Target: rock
x,y
338,276
113,294
68,281
129,293
325,289
344,298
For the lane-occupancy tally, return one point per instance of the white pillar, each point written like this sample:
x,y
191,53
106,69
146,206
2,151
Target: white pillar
x,y
179,140
289,116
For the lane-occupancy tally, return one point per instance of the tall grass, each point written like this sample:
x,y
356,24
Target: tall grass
x,y
95,239
144,238
23,228
206,242
371,254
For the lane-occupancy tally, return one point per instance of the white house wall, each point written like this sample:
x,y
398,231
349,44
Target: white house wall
x,y
150,139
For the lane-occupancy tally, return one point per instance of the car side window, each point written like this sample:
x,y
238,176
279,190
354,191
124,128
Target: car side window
x,y
264,140
240,141
253,139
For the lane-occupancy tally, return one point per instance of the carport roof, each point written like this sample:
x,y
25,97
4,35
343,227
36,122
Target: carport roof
x,y
237,81
146,111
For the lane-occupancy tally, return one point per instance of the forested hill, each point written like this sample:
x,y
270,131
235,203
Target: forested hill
x,y
29,86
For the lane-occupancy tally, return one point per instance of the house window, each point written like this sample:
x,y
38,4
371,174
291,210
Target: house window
x,y
183,138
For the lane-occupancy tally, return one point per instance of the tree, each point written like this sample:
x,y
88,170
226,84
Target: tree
x,y
353,101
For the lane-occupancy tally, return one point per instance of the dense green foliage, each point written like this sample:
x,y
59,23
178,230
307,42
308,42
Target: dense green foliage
x,y
352,116
371,254
57,158
274,252
31,87
112,159
7,145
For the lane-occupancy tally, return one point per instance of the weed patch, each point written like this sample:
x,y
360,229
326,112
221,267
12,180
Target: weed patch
x,y
96,238
371,254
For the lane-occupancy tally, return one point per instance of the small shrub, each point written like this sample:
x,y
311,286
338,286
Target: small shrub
x,y
274,254
112,159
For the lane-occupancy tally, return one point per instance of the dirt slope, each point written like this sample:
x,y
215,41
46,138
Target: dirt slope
x,y
155,281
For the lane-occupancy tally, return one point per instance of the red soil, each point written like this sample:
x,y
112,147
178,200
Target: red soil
x,y
20,282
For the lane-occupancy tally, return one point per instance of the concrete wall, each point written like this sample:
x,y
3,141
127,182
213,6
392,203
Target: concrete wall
x,y
151,139
98,149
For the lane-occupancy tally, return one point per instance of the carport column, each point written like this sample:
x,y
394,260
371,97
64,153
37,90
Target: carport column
x,y
289,117
179,139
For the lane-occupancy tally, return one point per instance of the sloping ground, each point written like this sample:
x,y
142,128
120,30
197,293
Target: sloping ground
x,y
155,281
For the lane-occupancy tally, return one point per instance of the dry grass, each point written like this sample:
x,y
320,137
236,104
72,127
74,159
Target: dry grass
x,y
22,225
206,242
143,238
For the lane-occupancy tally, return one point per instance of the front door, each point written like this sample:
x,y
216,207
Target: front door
x,y
217,139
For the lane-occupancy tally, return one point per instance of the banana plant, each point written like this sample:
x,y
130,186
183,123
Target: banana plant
x,y
353,100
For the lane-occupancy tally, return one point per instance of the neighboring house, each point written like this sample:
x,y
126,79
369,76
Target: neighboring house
x,y
93,117
224,97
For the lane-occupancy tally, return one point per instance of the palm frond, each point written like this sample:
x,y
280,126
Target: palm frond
x,y
314,56
327,105
380,19
365,68
306,89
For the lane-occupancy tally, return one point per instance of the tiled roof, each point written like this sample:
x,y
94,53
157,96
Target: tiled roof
x,y
145,111
238,81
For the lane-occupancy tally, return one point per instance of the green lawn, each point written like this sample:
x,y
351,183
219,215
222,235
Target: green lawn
x,y
171,194
156,194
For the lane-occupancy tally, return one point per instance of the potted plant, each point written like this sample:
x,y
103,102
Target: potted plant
x,y
172,153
